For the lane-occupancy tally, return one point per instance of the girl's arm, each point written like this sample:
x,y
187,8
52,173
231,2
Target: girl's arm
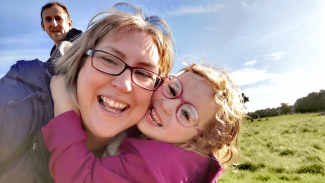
x,y
62,101
71,161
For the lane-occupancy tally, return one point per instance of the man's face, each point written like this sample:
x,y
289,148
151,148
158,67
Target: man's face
x,y
56,23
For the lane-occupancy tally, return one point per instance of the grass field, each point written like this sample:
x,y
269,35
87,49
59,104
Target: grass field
x,y
288,148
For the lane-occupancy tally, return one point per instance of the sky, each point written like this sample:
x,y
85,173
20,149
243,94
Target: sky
x,y
274,49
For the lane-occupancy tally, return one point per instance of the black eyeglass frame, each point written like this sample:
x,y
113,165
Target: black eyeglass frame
x,y
91,53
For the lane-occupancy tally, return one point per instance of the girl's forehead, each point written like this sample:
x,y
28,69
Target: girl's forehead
x,y
192,79
196,76
195,86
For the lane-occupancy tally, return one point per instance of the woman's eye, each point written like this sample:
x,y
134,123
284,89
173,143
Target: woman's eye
x,y
144,74
109,61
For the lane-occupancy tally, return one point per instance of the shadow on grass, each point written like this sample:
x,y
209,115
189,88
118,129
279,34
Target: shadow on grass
x,y
262,178
277,169
250,166
313,169
283,177
287,152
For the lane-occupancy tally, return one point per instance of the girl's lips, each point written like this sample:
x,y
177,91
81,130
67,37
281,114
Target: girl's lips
x,y
154,117
149,120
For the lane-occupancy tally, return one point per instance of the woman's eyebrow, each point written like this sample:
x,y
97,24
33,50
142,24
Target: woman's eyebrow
x,y
144,63
112,48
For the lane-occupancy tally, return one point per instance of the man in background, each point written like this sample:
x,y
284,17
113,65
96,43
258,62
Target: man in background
x,y
57,23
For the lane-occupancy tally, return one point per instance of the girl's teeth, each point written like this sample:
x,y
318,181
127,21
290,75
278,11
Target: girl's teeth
x,y
156,118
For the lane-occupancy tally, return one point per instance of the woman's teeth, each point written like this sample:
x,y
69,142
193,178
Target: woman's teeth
x,y
109,104
154,117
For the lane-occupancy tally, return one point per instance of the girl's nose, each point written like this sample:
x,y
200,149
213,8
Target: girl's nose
x,y
123,82
170,105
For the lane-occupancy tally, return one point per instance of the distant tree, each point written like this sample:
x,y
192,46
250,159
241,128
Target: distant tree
x,y
254,115
313,102
268,112
285,108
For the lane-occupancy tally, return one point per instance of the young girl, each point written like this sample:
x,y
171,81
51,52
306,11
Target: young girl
x,y
190,120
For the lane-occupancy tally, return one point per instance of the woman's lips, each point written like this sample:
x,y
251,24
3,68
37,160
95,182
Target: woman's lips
x,y
112,105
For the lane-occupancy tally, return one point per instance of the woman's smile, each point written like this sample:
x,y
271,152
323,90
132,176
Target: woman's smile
x,y
111,105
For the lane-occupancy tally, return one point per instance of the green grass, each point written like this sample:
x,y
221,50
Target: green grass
x,y
288,148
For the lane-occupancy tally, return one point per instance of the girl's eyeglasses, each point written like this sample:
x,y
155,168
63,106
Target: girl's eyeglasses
x,y
186,114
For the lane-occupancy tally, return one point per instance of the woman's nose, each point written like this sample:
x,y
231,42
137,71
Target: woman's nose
x,y
123,82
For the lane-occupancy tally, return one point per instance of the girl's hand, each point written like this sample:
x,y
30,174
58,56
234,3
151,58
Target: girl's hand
x,y
62,102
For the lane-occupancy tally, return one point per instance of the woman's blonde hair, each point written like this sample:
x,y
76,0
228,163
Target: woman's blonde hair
x,y
114,22
219,134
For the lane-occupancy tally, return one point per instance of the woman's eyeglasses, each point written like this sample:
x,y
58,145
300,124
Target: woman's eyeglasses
x,y
109,64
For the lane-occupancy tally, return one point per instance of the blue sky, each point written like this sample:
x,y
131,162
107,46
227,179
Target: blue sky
x,y
274,49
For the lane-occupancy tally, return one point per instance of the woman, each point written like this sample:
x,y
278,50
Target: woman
x,y
26,104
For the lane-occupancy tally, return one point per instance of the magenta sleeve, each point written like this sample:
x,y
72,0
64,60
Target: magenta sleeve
x,y
71,162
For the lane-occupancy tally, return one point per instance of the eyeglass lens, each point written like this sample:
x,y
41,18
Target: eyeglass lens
x,y
111,65
187,115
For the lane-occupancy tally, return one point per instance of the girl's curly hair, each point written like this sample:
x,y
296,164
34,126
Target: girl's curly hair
x,y
221,132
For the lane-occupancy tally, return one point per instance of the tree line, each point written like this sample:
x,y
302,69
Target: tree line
x,y
313,102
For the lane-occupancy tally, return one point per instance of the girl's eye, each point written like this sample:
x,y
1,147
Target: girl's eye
x,y
172,91
186,114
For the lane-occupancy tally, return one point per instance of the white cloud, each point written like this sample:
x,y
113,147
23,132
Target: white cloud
x,y
250,75
254,6
250,63
241,37
210,28
25,38
275,56
210,8
287,87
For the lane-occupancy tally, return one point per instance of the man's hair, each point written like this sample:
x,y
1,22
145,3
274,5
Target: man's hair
x,y
111,24
219,136
55,3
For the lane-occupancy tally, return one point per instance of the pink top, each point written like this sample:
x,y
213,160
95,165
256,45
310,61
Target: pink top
x,y
138,160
